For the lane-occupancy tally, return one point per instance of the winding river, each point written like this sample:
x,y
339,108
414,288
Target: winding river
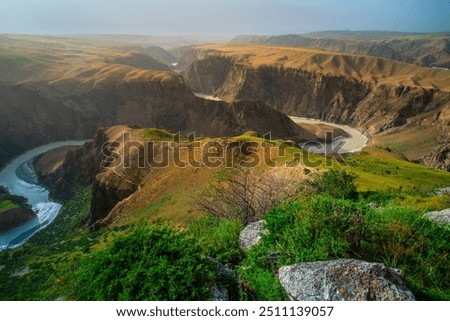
x,y
354,142
19,178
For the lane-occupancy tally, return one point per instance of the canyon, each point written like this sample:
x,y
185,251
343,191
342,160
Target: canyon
x,y
375,95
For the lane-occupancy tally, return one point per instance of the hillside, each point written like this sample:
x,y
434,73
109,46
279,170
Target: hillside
x,y
84,87
373,94
14,211
118,201
429,50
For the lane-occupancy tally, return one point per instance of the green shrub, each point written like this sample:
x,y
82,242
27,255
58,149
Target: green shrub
x,y
335,183
148,264
218,238
321,228
325,228
258,283
404,239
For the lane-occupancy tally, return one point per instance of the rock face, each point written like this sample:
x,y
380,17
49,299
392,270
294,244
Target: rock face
x,y
343,280
219,294
439,158
441,217
251,235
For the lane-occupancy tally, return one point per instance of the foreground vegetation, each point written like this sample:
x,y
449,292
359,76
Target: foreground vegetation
x,y
346,212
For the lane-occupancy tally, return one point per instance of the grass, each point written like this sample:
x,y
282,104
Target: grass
x,y
158,134
321,227
378,169
49,254
413,142
7,205
151,208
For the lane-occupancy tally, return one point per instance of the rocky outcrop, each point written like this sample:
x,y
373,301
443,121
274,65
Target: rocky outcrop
x,y
440,217
251,235
219,294
343,280
439,158
15,217
442,191
121,160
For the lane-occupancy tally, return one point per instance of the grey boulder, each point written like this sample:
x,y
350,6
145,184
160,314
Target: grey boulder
x,y
343,280
251,235
441,217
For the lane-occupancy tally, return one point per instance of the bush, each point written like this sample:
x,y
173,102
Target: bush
x,y
335,183
244,195
403,239
325,228
148,264
218,238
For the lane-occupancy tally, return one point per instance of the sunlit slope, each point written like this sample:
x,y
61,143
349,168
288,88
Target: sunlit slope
x,y
362,68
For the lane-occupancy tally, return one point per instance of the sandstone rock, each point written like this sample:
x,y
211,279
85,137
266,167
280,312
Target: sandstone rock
x,y
251,235
343,280
441,217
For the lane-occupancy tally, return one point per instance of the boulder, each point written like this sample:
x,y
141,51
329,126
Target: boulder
x,y
441,217
251,235
219,294
442,191
343,280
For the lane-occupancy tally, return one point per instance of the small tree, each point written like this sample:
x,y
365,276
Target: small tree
x,y
243,195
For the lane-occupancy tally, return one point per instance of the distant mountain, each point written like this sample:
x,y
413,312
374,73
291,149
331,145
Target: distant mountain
x,y
429,50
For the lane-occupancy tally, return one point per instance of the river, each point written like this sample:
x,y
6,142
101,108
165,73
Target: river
x,y
354,142
19,178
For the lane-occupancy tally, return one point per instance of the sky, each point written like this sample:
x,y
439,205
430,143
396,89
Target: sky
x,y
220,17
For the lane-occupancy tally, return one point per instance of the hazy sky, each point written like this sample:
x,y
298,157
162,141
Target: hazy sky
x,y
226,17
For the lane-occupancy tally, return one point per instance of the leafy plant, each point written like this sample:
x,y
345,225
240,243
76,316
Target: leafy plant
x,y
148,264
218,238
336,183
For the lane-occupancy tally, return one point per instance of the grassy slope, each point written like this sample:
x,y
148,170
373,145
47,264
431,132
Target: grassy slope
x,y
412,142
72,62
48,255
379,169
52,253
7,205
